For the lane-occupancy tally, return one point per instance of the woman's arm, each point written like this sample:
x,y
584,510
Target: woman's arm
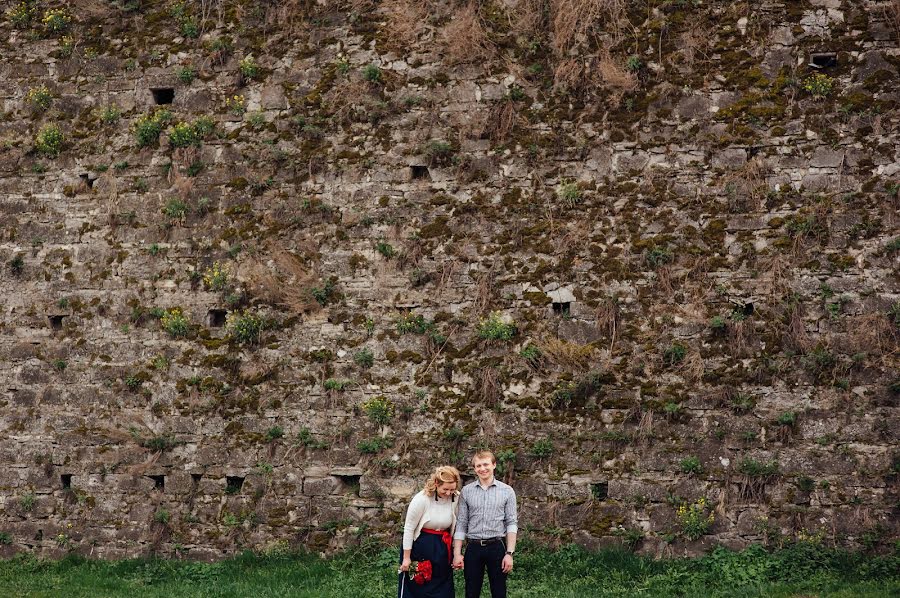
x,y
413,515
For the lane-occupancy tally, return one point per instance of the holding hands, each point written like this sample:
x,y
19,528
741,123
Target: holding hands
x,y
457,561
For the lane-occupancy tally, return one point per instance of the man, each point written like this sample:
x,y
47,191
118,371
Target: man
x,y
488,519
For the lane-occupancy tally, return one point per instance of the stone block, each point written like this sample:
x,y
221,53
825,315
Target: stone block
x,y
320,486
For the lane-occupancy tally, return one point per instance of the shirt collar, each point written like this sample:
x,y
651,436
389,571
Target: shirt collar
x,y
493,483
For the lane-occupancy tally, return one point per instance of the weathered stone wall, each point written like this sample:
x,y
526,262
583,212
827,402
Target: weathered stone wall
x,y
696,240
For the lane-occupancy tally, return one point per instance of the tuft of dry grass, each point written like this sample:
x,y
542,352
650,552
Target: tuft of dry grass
x,y
746,188
502,122
484,292
892,15
405,22
872,333
569,75
609,318
693,43
565,354
795,336
281,280
529,18
464,38
572,19
613,74
487,386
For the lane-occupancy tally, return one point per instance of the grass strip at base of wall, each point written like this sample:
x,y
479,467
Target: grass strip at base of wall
x,y
570,572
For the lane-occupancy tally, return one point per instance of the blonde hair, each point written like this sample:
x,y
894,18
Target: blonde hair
x,y
445,474
484,455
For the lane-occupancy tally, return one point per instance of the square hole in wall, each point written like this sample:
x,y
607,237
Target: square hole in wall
x,y
823,60
66,480
86,180
195,478
562,308
600,490
349,484
215,318
56,322
420,172
233,484
163,95
159,482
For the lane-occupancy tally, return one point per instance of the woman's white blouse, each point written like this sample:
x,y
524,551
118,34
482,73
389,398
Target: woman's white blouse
x,y
424,511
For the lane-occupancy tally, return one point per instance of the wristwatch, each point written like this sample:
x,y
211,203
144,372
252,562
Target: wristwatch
x,y
510,552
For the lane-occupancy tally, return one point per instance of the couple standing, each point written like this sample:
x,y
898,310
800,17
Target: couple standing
x,y
440,518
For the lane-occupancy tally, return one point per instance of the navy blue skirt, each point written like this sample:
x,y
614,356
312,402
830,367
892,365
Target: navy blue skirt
x,y
428,547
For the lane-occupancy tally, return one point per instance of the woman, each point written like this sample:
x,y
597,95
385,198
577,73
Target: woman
x,y
428,536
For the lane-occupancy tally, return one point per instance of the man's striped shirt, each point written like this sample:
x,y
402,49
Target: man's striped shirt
x,y
486,512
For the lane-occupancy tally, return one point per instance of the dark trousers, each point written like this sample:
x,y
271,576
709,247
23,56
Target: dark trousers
x,y
477,559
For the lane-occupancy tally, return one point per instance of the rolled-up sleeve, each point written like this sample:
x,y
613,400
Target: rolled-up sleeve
x,y
511,513
462,518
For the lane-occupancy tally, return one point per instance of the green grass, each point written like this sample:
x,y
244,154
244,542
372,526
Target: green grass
x,y
569,572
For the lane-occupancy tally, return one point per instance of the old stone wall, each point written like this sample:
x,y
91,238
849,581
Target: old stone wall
x,y
264,265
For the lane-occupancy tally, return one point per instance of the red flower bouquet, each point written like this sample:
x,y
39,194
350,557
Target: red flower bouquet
x,y
420,572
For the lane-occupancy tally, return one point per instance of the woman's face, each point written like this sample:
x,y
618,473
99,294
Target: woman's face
x,y
446,489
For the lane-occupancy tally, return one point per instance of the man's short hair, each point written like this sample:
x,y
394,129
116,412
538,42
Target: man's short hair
x,y
484,455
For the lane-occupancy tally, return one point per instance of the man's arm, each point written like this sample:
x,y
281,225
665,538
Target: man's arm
x,y
511,519
462,527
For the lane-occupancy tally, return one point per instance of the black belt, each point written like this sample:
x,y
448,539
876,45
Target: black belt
x,y
487,541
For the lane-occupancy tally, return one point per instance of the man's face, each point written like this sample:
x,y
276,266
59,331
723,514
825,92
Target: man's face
x,y
484,468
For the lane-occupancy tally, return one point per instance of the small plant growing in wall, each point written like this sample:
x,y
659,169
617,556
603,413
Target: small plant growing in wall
x,y
496,328
21,15
325,293
336,384
109,115
658,256
506,461
674,354
56,20
541,449
185,134
17,265
49,140
27,502
248,68
39,98
186,75
532,356
364,358
695,519
690,465
236,104
245,327
379,410
148,127
375,445
176,209
175,323
569,193
385,249
133,382
439,153
818,86
372,73
216,277
274,433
